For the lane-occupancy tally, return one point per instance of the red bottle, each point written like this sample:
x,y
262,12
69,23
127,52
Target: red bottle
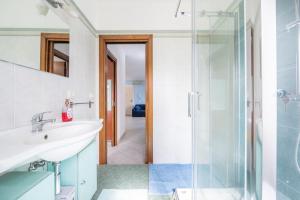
x,y
67,114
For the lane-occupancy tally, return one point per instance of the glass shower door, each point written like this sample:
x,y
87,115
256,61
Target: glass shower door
x,y
219,104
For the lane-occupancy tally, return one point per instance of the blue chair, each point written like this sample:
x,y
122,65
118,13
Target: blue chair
x,y
139,110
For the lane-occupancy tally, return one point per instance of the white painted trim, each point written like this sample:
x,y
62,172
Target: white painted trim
x,y
269,98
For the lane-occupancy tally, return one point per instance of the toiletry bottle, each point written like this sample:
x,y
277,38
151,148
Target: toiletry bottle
x,y
67,113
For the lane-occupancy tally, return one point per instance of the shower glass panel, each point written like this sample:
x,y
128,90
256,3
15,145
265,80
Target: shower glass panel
x,y
288,104
219,104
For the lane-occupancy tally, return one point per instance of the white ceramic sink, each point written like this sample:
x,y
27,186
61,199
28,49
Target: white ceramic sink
x,y
68,138
56,143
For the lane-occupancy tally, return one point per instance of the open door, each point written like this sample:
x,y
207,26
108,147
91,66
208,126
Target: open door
x,y
111,91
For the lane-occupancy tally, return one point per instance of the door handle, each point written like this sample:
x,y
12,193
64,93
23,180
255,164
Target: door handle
x,y
190,97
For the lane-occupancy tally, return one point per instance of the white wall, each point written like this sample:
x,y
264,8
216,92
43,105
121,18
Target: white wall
x,y
172,64
172,137
121,104
27,15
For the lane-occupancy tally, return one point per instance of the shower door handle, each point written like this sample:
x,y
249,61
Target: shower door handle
x,y
191,101
190,104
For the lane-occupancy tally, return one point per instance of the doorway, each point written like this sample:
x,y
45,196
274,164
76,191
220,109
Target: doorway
x,y
106,93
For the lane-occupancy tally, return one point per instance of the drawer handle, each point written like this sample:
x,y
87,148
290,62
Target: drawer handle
x,y
83,182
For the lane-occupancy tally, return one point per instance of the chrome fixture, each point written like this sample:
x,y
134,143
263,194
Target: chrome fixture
x,y
35,165
177,9
57,174
66,5
182,13
38,122
283,94
55,3
220,13
287,97
82,103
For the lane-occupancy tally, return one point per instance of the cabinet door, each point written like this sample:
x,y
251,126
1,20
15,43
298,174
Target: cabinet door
x,y
87,172
43,190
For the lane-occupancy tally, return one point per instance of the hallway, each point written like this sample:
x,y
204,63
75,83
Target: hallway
x,y
131,147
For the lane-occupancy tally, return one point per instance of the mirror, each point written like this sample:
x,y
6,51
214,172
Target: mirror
x,y
35,34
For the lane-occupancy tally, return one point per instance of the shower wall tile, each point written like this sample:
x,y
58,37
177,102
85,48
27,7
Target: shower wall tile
x,y
287,50
288,115
285,5
286,165
285,13
286,192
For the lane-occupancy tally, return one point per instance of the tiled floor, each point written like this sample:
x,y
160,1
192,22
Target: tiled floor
x,y
124,177
131,148
119,179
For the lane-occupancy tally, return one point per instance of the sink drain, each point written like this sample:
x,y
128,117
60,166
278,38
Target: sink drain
x,y
45,137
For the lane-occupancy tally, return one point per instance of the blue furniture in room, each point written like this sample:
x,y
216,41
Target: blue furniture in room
x,y
139,110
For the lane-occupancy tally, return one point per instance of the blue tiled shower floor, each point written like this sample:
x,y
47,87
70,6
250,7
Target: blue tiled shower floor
x,y
164,178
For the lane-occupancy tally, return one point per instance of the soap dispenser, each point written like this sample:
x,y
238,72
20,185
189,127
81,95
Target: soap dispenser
x,y
67,112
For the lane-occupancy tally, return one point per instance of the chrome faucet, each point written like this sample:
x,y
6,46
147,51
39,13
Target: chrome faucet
x,y
38,122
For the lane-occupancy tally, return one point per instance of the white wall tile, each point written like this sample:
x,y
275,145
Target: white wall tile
x,y
28,95
25,92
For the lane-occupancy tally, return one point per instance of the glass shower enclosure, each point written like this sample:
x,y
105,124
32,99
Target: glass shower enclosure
x,y
219,105
288,101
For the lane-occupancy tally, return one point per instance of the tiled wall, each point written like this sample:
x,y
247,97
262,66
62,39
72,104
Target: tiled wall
x,y
25,92
288,119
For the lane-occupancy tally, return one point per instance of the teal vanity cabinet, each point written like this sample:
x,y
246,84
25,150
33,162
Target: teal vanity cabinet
x,y
81,171
27,186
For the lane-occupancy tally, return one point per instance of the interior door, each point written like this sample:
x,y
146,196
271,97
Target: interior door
x,y
111,99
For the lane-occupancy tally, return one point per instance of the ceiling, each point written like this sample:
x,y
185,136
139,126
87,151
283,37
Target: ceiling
x,y
146,15
134,60
106,15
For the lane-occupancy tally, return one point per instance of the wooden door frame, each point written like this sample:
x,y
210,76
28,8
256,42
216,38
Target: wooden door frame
x,y
115,106
126,39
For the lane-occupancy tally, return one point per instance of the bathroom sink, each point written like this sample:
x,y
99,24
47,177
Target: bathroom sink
x,y
67,138
57,142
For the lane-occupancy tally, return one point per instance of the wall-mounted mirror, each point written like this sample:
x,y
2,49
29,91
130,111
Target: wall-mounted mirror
x,y
35,34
